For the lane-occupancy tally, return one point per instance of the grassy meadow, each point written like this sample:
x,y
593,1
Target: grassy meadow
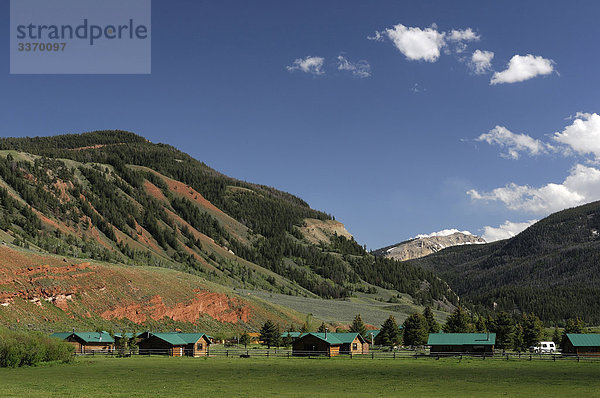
x,y
276,377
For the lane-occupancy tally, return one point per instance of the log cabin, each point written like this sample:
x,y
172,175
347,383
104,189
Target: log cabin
x,y
175,344
85,342
330,344
467,343
582,344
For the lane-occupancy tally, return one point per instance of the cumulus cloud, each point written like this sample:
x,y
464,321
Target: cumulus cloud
x,y
359,69
463,35
416,43
481,61
523,67
506,230
581,186
514,143
426,44
583,136
444,232
310,64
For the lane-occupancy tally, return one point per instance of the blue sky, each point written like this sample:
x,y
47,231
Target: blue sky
x,y
398,142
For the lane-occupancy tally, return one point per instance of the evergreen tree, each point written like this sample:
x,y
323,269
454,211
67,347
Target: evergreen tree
x,y
245,339
458,322
572,326
415,330
532,329
270,334
480,324
390,333
518,339
358,326
556,337
504,327
432,325
322,328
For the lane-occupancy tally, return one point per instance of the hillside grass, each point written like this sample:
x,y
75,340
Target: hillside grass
x,y
344,310
182,377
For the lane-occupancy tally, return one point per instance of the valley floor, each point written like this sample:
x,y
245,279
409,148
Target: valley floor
x,y
182,377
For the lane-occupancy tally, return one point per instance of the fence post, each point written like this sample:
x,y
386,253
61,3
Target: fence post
x,y
268,353
226,353
372,355
554,357
394,354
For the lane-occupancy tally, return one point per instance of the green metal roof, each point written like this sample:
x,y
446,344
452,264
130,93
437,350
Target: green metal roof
x,y
371,332
61,335
336,338
88,337
461,339
584,340
177,338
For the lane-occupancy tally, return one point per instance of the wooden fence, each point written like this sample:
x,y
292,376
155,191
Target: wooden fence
x,y
224,352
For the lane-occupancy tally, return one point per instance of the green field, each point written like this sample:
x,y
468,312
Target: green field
x,y
180,377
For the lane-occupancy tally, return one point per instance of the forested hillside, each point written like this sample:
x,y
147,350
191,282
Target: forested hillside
x,y
114,196
552,269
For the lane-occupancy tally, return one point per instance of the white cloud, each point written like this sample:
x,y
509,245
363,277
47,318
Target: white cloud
x,y
514,143
444,232
360,68
481,61
426,44
377,36
463,35
310,64
581,186
506,230
523,67
583,136
416,43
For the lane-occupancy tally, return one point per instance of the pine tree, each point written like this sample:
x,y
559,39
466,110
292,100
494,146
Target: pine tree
x,y
504,327
532,329
518,343
556,336
322,328
390,333
572,326
245,339
432,325
458,322
415,330
270,334
358,326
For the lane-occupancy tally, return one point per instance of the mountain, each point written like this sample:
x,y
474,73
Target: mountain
x,y
424,245
49,292
552,268
113,196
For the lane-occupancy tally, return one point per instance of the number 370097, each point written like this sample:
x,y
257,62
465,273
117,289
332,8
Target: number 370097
x,y
50,47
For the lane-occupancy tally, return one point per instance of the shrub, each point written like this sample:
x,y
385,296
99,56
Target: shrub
x,y
31,348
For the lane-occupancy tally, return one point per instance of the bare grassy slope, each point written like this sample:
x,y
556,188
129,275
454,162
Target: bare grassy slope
x,y
57,293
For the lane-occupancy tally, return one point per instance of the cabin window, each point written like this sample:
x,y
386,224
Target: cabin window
x,y
199,346
354,346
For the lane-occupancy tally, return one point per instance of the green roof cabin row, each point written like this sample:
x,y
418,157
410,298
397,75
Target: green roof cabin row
x,y
329,344
170,343
454,343
582,344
